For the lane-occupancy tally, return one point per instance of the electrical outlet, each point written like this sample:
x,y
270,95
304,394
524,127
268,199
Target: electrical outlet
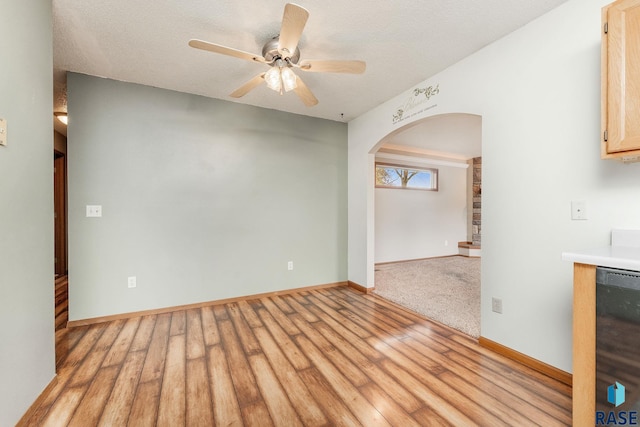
x,y
496,305
446,243
131,281
290,265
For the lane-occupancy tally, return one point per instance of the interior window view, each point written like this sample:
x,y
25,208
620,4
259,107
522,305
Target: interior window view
x,y
417,213
398,176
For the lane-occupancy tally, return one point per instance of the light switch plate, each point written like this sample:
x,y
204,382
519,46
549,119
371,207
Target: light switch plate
x,y
578,210
3,132
94,211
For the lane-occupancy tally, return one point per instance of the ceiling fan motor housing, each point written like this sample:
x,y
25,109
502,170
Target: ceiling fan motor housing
x,y
271,53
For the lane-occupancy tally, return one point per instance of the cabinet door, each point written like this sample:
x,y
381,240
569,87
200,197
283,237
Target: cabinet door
x,y
621,78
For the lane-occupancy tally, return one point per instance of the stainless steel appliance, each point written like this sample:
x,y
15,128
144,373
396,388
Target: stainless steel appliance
x,y
617,339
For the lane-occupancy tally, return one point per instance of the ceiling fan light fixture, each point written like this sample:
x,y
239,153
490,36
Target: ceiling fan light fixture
x,y
272,78
288,79
62,116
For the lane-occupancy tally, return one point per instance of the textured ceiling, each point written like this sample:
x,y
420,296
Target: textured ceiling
x,y
454,136
402,42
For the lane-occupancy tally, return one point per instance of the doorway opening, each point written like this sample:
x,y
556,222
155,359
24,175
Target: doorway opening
x,y
60,211
61,282
427,243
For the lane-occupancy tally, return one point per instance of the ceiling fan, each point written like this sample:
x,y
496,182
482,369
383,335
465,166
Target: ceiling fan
x,y
281,54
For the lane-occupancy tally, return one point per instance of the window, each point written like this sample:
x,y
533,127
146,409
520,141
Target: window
x,y
407,177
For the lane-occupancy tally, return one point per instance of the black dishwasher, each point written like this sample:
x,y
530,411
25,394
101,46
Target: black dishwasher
x,y
617,340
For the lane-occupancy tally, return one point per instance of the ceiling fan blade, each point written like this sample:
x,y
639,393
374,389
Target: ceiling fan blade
x,y
293,22
248,86
321,66
305,94
216,48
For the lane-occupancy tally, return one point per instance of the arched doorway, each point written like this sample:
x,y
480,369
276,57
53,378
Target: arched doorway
x,y
418,262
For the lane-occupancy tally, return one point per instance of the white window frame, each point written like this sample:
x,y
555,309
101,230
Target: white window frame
x,y
388,165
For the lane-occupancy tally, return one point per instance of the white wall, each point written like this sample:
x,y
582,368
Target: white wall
x,y
27,359
413,224
538,92
202,199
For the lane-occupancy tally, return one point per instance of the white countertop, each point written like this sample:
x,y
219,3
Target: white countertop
x,y
624,257
623,253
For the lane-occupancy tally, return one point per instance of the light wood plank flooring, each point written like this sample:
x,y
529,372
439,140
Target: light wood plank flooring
x,y
61,302
62,315
317,358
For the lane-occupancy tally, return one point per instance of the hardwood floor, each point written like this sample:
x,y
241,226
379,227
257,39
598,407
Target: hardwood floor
x,y
61,302
62,315
317,358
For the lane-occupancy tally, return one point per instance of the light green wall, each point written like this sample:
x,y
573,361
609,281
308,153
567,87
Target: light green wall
x,y
202,199
26,207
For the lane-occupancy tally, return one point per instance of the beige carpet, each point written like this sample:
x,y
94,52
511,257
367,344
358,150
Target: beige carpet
x,y
443,289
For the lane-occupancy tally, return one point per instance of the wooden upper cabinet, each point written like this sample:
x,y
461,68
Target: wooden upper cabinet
x,y
621,80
